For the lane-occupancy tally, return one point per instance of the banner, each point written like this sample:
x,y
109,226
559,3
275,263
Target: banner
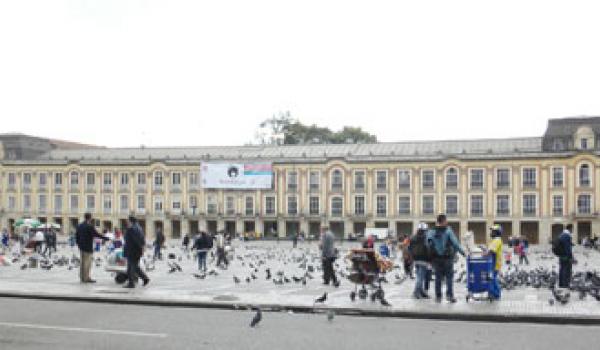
x,y
236,175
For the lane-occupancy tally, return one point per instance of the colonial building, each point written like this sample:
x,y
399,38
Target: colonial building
x,y
531,186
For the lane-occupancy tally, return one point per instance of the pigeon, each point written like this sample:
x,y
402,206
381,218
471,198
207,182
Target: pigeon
x,y
199,276
23,267
384,302
322,298
247,279
236,280
256,319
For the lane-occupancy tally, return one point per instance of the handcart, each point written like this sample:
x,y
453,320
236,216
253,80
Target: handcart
x,y
480,277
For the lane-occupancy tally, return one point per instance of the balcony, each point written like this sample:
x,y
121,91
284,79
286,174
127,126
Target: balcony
x,y
107,188
124,188
74,188
176,188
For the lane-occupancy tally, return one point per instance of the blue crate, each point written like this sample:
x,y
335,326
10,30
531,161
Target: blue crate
x,y
479,274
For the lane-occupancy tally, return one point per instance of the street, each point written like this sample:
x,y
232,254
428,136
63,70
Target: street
x,y
36,324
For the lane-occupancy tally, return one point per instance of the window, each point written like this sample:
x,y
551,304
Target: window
x,y
74,203
359,180
503,205
359,205
529,177
58,203
404,205
194,179
584,143
314,180
27,179
313,205
12,203
428,179
477,205
107,180
194,203
158,178
124,205
249,206
58,179
428,205
337,180
90,202
381,180
381,206
74,178
292,205
584,204
176,205
337,206
292,181
452,205
451,179
43,179
529,204
26,202
270,205
476,178
557,177
42,202
124,179
141,179
158,204
584,175
176,179
107,204
141,202
90,179
229,205
403,179
12,179
557,205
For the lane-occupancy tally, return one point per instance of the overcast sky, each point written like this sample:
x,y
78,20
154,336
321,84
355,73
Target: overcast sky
x,y
173,72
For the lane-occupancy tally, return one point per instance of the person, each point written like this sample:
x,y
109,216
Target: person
x,y
407,259
384,250
565,258
39,239
118,241
294,240
221,254
202,245
133,251
443,246
523,249
84,236
5,239
495,251
186,242
50,240
328,256
369,243
159,241
422,260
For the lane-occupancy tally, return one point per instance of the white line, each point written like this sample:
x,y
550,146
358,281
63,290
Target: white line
x,y
82,330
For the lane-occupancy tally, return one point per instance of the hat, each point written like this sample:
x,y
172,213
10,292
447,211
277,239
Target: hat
x,y
497,229
422,226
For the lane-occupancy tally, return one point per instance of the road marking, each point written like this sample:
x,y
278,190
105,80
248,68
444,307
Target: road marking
x,y
82,330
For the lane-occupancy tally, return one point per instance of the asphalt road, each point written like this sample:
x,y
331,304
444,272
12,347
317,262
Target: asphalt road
x,y
37,324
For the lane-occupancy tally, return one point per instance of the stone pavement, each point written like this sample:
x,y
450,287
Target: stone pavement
x,y
183,289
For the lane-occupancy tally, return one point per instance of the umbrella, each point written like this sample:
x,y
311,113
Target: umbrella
x,y
52,225
27,223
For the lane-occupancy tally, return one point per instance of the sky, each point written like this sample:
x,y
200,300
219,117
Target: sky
x,y
123,73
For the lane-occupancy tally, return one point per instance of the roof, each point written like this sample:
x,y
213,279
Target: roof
x,y
418,150
568,126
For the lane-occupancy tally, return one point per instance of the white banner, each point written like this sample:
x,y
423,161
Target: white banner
x,y
236,175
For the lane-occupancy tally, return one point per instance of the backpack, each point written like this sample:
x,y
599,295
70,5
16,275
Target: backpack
x,y
418,247
557,247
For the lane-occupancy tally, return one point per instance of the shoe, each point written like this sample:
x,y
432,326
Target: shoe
x,y
325,283
336,284
90,281
146,281
425,296
451,299
417,296
129,286
438,299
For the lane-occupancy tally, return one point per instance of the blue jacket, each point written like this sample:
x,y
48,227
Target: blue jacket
x,y
134,242
438,239
567,243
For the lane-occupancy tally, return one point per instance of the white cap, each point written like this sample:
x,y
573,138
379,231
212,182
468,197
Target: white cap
x,y
422,226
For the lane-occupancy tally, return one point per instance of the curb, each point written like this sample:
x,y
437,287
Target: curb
x,y
357,312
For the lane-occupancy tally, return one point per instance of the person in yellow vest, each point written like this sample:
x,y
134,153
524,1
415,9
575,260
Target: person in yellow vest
x,y
495,250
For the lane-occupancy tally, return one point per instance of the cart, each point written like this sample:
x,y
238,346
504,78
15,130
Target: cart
x,y
480,276
117,265
365,270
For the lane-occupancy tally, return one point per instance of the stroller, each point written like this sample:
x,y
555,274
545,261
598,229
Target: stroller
x,y
365,270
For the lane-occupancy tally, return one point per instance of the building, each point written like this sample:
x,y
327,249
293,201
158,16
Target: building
x,y
531,186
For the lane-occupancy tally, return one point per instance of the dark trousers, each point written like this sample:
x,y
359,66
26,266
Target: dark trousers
x,y
133,270
328,271
202,260
157,253
221,257
523,258
565,269
444,268
428,276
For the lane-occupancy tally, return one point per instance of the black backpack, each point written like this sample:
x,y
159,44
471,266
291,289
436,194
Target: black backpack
x,y
557,247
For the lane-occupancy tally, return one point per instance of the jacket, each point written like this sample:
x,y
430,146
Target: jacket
x,y
134,242
84,236
443,243
203,243
567,242
327,245
418,247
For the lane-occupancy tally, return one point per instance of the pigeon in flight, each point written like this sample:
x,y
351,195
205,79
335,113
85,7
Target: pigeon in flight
x,y
256,319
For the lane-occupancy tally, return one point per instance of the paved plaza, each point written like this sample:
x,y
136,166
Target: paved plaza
x,y
187,287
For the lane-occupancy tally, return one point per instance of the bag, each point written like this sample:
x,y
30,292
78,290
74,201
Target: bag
x,y
418,248
557,247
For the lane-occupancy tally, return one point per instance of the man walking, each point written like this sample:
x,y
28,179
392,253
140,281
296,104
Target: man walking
x,y
443,245
202,245
422,260
159,241
84,236
565,257
221,253
133,251
328,256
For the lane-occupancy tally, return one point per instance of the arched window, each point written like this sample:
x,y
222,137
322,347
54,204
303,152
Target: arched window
x,y
584,175
451,178
337,180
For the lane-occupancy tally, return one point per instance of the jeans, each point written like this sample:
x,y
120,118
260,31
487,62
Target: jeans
x,y
428,276
564,273
202,261
420,282
222,257
444,268
157,254
328,271
133,270
495,289
524,258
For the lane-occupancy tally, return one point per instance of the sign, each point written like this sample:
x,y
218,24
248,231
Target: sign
x,y
236,175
